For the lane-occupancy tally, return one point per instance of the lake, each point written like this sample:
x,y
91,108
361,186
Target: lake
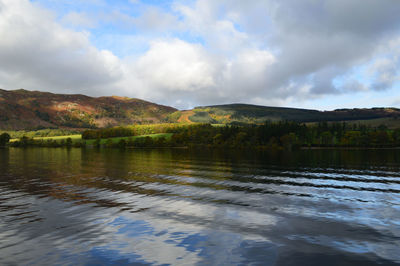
x,y
182,207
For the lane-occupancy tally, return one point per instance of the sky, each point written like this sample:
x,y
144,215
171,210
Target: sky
x,y
324,54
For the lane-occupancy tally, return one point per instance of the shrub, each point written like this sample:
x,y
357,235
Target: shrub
x,y
4,139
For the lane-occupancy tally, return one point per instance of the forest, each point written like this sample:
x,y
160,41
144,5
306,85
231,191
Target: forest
x,y
287,135
277,135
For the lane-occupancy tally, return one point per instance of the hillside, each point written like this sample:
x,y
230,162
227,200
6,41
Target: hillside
x,y
22,109
30,110
245,113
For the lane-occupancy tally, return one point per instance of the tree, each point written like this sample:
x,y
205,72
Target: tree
x,y
382,138
326,138
25,141
288,140
218,139
4,139
109,143
122,144
351,138
148,141
97,143
396,136
69,142
160,142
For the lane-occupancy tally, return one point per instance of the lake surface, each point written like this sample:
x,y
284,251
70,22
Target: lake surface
x,y
180,207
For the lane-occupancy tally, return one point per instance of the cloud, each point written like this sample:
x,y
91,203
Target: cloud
x,y
218,34
386,72
37,53
204,52
154,19
176,66
313,36
150,21
174,70
79,19
313,43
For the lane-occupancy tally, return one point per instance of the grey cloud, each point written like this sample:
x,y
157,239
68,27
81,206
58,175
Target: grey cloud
x,y
359,17
314,35
353,85
385,72
323,81
314,43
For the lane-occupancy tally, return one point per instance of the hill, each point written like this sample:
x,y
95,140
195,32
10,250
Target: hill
x,y
22,109
30,110
245,113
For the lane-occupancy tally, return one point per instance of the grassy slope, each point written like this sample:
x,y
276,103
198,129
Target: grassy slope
x,y
76,138
40,133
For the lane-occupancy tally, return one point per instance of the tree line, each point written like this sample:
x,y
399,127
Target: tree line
x,y
280,135
284,134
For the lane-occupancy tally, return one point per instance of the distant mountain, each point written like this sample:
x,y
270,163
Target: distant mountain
x,y
22,109
245,113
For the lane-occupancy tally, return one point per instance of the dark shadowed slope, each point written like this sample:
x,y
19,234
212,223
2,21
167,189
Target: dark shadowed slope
x,y
246,113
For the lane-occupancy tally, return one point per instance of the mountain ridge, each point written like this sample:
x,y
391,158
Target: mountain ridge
x,y
22,109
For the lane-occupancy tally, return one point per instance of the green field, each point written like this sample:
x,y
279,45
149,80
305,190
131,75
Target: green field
x,y
77,138
117,139
74,138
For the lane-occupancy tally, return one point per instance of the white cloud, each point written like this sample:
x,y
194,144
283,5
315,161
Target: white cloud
x,y
219,34
246,74
205,52
176,66
37,53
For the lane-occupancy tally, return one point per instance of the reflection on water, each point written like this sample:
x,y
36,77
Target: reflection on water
x,y
60,206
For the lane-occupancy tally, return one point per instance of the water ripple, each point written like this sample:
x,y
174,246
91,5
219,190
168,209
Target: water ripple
x,y
89,207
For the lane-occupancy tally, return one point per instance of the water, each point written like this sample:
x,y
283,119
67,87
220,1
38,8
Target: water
x,y
179,207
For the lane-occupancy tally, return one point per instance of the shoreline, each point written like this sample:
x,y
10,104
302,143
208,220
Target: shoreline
x,y
208,148
350,148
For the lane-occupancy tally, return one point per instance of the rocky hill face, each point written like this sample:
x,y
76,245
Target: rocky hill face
x,y
22,109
